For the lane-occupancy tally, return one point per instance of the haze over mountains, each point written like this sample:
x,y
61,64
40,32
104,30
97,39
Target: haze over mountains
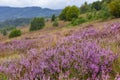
x,y
27,12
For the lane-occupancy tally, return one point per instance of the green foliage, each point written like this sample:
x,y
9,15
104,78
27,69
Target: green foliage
x,y
62,16
14,33
78,21
96,5
106,1
37,23
85,8
6,29
116,65
72,13
53,17
115,8
89,16
103,14
55,23
4,32
3,77
69,13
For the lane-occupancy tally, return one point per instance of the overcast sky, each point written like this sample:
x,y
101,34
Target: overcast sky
x,y
53,4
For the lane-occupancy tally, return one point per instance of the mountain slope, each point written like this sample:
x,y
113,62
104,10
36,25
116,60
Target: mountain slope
x,y
27,12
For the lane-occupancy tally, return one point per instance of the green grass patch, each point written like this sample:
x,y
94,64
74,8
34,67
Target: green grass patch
x,y
3,77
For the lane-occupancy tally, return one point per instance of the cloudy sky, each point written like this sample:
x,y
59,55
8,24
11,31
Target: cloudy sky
x,y
53,4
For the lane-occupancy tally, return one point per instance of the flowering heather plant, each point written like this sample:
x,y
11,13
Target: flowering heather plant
x,y
16,46
76,57
110,30
72,58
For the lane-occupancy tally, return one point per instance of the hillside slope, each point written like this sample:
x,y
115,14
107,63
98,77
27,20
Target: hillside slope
x,y
87,44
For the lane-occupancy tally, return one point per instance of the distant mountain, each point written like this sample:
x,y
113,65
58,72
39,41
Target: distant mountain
x,y
15,22
27,12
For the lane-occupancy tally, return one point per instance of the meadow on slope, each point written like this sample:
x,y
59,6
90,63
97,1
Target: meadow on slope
x,y
88,51
79,44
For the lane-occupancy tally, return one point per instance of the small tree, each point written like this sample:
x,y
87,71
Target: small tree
x,y
69,13
107,1
37,23
14,33
115,8
85,8
97,5
53,17
62,16
72,13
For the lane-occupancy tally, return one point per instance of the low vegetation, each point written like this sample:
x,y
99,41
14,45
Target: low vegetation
x,y
53,17
78,21
115,8
85,52
69,13
77,56
15,33
98,10
55,23
4,31
37,23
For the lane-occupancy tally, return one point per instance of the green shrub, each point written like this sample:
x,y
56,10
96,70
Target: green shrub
x,y
53,17
69,13
73,12
62,15
78,21
97,5
99,15
14,33
3,76
4,32
55,23
85,8
103,14
37,23
114,7
107,1
89,16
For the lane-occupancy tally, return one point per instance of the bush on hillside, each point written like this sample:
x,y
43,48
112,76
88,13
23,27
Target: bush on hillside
x,y
4,32
53,17
103,14
62,15
97,5
78,21
37,23
69,13
55,23
72,13
89,16
85,8
115,8
14,33
107,1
